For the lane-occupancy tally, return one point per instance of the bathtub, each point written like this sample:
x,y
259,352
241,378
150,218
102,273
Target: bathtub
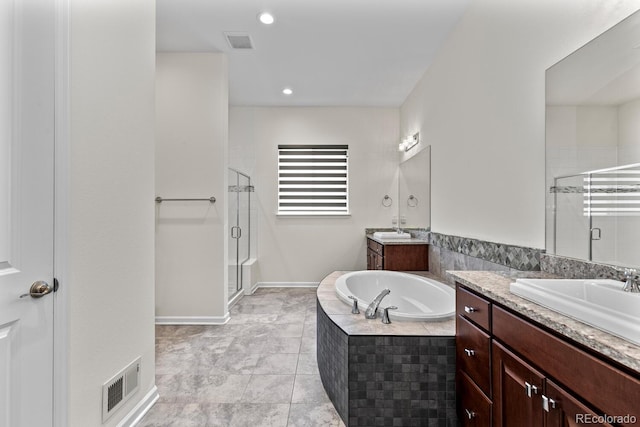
x,y
417,298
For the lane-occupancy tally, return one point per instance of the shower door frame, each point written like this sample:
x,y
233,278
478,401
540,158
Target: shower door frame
x,y
238,264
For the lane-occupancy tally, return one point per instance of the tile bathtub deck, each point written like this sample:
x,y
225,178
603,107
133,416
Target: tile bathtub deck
x,y
260,369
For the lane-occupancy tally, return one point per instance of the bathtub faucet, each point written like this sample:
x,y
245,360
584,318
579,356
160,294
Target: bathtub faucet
x,y
372,310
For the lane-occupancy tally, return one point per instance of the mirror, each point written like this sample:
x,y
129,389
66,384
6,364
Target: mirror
x,y
593,149
414,189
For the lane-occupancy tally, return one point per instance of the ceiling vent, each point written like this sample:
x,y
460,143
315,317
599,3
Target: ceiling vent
x,y
239,41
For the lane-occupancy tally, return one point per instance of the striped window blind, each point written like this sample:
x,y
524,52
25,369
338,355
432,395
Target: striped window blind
x,y
313,180
613,192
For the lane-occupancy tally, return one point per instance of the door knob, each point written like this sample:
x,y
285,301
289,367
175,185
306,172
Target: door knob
x,y
38,290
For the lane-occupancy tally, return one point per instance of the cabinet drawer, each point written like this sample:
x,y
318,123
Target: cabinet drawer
x,y
473,353
474,308
605,387
474,409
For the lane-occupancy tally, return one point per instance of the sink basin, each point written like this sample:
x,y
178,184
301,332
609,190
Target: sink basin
x,y
600,303
391,235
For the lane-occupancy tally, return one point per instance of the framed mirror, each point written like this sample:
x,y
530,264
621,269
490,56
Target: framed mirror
x,y
593,149
414,189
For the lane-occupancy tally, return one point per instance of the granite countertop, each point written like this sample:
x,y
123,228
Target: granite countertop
x,y
411,241
495,285
356,324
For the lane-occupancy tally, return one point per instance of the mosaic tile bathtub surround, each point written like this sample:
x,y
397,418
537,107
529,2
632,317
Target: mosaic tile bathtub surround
x,y
387,380
332,351
571,268
515,257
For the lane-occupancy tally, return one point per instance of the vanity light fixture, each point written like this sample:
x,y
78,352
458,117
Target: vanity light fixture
x,y
409,142
266,18
287,91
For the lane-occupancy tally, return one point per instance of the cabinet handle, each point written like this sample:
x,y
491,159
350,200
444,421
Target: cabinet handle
x,y
470,414
468,309
469,352
530,389
548,403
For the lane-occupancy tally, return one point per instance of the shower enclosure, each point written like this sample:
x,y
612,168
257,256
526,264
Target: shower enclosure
x,y
595,215
240,192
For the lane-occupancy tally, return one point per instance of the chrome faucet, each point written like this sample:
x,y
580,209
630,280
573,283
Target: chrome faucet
x,y
631,281
385,314
372,310
354,307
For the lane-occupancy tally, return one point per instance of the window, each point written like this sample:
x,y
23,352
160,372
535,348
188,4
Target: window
x,y
612,192
313,180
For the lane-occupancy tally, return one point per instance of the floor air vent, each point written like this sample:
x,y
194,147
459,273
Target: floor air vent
x,y
118,389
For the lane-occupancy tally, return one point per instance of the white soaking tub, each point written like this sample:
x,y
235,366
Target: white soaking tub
x,y
417,298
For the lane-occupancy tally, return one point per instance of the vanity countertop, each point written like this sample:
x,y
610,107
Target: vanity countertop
x,y
495,285
411,241
356,324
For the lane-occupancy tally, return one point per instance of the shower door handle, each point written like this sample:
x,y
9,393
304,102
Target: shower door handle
x,y
238,232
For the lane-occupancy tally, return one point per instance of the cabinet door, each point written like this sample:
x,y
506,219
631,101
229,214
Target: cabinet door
x,y
370,260
378,262
517,390
563,410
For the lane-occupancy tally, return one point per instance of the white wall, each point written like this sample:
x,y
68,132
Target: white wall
x,y
628,153
304,249
629,133
110,285
578,139
191,161
481,107
581,138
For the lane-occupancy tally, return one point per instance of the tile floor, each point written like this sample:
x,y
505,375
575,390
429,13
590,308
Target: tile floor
x,y
258,370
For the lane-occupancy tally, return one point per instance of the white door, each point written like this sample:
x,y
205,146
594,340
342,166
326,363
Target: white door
x,y
26,211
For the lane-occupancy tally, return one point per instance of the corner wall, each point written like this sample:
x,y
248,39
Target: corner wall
x,y
481,107
191,162
110,284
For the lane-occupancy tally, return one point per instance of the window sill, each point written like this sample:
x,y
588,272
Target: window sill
x,y
313,215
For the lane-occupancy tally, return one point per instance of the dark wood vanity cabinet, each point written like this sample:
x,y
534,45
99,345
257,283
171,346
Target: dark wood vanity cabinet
x,y
518,389
375,255
536,378
473,359
566,410
397,257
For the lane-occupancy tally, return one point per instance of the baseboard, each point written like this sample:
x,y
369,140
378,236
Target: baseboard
x,y
192,320
287,285
141,409
235,300
252,289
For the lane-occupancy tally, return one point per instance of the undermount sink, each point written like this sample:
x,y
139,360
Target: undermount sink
x,y
600,303
391,235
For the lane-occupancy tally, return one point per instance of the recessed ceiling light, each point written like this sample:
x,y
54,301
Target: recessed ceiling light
x,y
266,18
287,91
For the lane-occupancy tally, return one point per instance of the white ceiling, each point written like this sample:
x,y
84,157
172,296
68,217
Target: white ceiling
x,y
330,52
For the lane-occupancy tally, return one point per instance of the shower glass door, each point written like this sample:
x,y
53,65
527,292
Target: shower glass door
x,y
572,224
239,228
596,215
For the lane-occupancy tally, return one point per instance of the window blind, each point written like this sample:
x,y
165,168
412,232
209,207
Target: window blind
x,y
313,180
613,192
